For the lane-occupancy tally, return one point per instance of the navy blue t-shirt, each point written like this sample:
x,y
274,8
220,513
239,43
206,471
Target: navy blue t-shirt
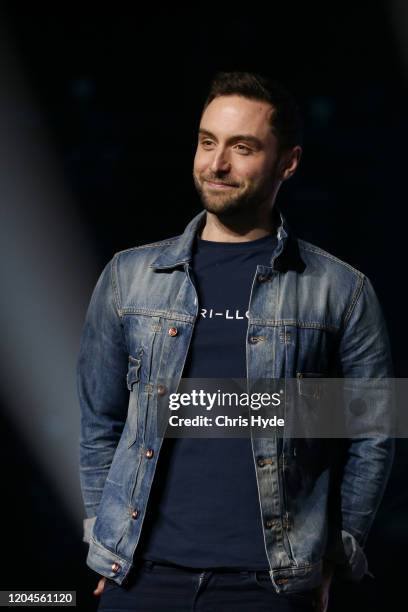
x,y
204,507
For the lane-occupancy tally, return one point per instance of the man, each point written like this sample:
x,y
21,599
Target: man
x,y
240,523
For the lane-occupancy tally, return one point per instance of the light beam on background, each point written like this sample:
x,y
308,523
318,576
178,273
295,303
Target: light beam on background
x,y
47,272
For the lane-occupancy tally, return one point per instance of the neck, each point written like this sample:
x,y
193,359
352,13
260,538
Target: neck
x,y
218,229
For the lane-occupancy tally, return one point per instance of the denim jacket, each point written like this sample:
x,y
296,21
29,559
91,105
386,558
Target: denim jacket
x,y
309,312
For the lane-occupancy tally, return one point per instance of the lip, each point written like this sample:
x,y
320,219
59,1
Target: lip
x,y
218,185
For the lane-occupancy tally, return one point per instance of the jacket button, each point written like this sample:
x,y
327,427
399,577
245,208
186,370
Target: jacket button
x,y
115,567
149,453
260,462
269,524
161,389
253,339
262,278
135,514
173,331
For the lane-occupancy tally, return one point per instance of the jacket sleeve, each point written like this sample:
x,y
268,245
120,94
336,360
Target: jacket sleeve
x,y
364,353
102,391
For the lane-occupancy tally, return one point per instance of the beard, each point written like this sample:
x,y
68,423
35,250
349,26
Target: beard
x,y
236,202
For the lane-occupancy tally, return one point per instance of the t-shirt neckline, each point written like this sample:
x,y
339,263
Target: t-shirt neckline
x,y
248,244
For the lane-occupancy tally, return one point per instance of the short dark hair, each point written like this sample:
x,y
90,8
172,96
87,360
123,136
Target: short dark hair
x,y
286,120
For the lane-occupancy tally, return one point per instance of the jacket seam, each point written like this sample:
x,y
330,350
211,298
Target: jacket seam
x,y
317,251
295,323
297,568
164,242
130,310
116,293
115,285
353,302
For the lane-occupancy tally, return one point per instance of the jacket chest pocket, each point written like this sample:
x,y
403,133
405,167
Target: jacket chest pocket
x,y
309,384
309,360
309,353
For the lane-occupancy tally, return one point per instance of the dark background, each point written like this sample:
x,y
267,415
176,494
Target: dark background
x,y
120,94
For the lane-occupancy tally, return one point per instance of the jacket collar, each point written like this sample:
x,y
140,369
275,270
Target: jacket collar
x,y
286,256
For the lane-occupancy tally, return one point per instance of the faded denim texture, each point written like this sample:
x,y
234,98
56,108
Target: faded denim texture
x,y
309,314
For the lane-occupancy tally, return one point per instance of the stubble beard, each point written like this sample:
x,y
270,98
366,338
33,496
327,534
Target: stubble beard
x,y
234,205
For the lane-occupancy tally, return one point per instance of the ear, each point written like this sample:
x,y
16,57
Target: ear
x,y
289,162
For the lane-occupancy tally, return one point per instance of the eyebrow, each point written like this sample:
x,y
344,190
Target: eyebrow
x,y
246,137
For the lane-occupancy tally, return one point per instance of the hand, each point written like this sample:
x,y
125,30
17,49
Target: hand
x,y
101,585
321,600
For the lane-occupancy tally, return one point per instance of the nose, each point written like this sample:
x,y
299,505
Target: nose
x,y
220,162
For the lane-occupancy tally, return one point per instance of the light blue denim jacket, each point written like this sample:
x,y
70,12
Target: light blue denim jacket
x,y
309,312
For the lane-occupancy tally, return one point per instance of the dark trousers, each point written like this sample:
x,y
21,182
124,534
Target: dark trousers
x,y
152,587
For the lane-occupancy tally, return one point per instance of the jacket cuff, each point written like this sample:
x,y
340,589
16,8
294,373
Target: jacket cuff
x,y
349,557
88,527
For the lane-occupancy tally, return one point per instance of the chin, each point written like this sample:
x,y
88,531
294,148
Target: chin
x,y
225,210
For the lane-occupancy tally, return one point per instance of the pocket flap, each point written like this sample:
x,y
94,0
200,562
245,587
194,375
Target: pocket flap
x,y
132,376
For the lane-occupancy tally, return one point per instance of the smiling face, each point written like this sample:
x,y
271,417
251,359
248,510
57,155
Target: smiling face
x,y
235,165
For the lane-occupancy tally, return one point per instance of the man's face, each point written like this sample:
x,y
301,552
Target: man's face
x,y
236,159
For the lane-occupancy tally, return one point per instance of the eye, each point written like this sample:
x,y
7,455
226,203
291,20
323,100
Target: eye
x,y
243,149
206,143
